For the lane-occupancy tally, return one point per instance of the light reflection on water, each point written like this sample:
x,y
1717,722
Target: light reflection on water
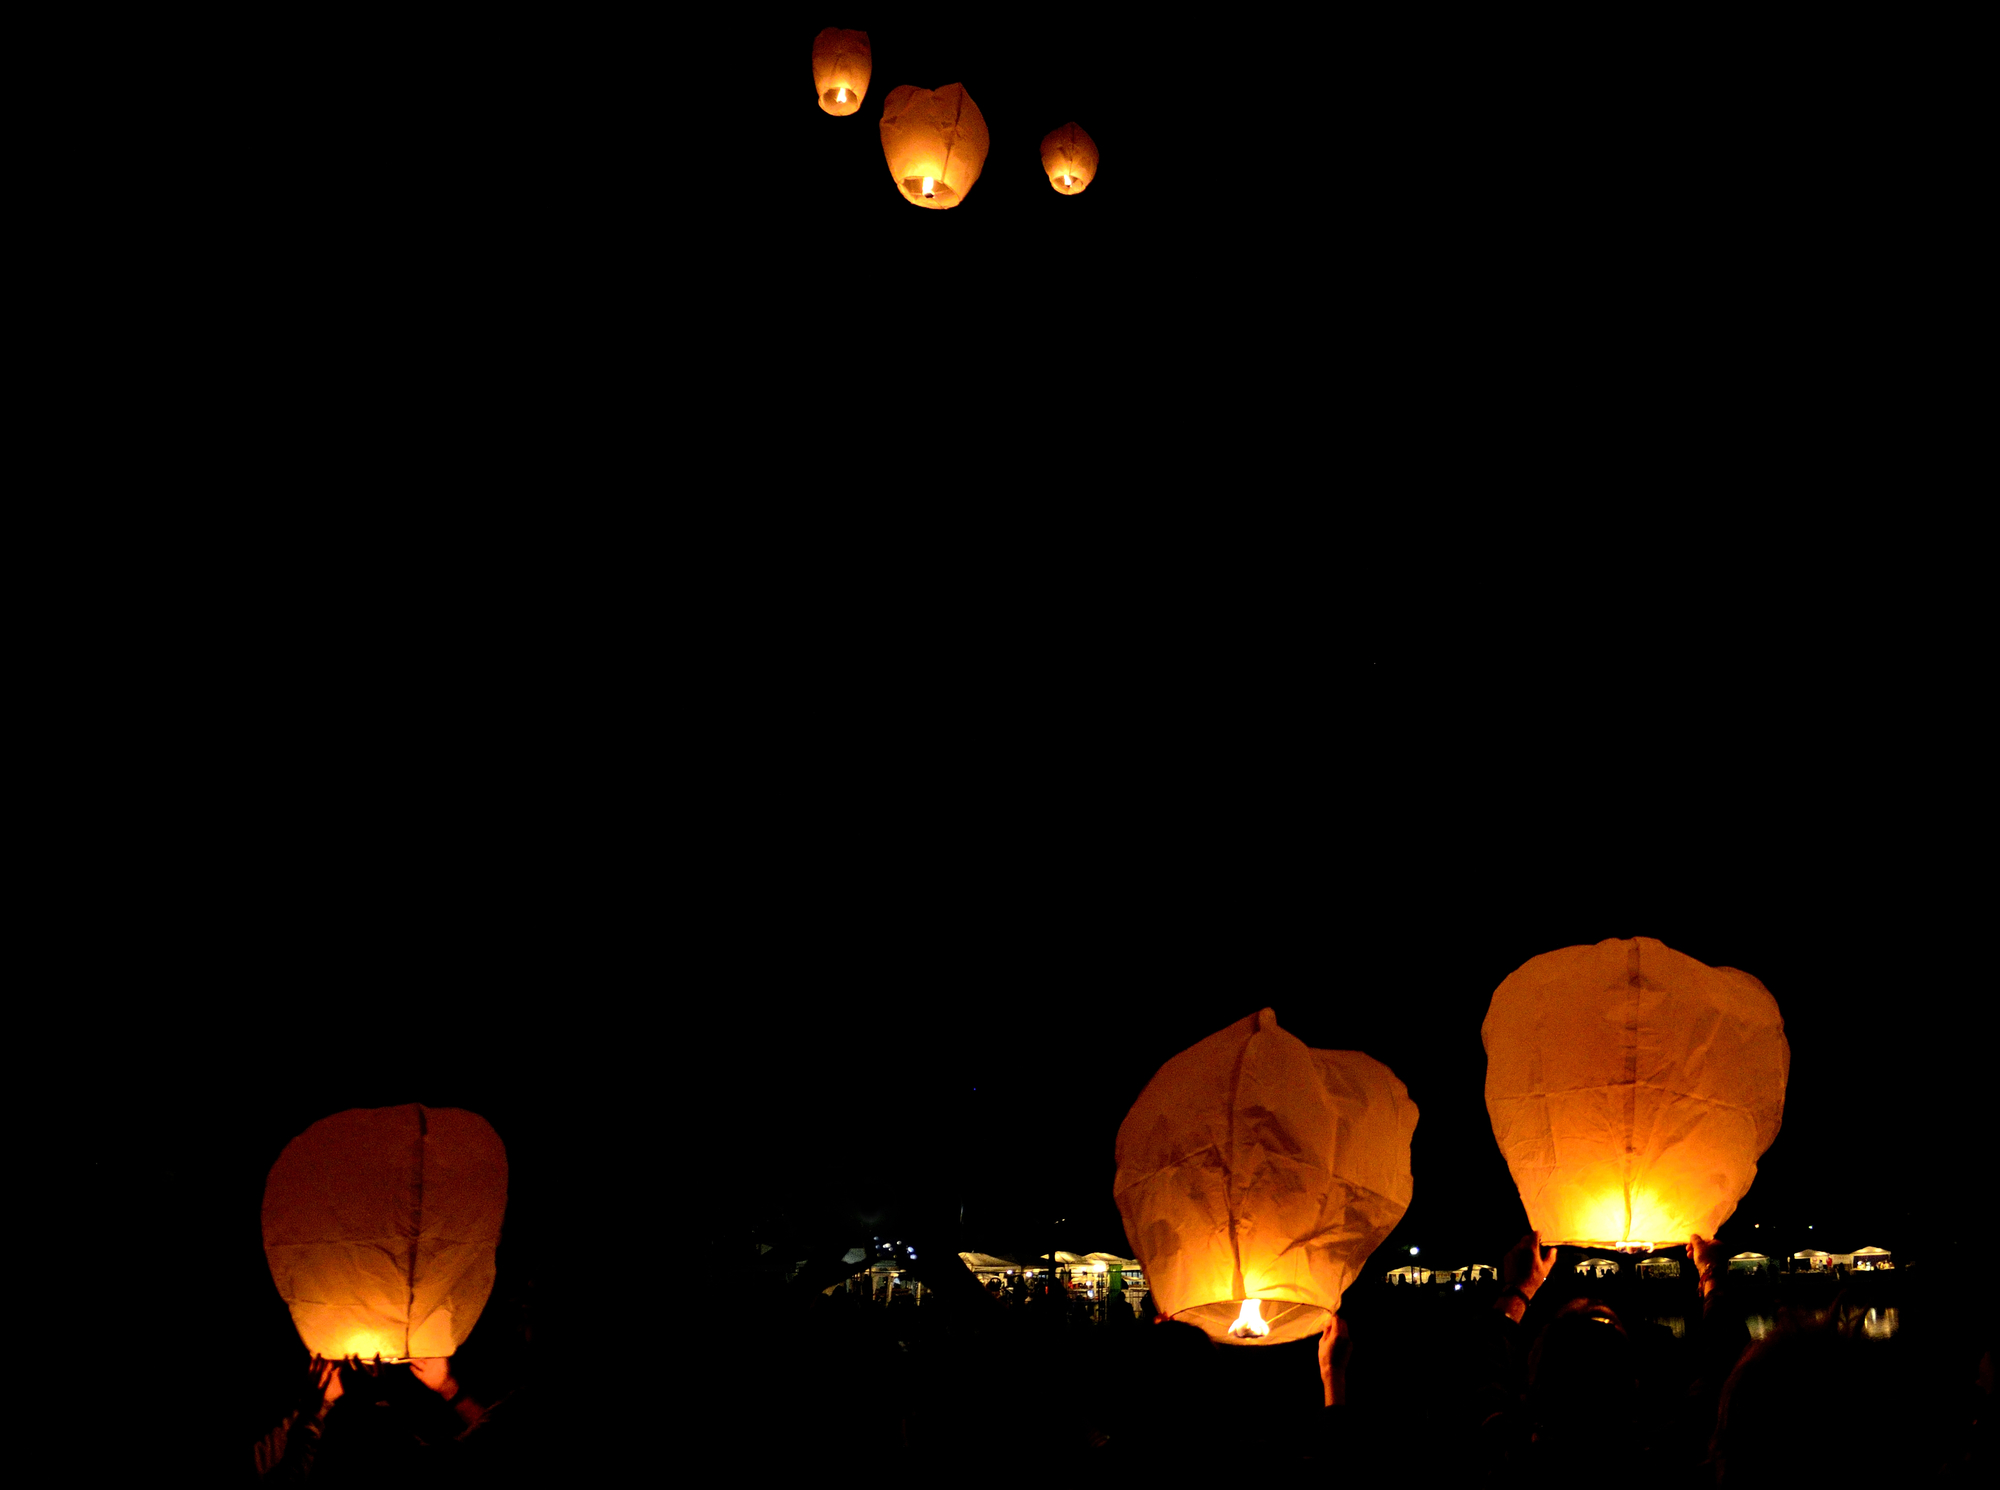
x,y
1879,1324
1874,1324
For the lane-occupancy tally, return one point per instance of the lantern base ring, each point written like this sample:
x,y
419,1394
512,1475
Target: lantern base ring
x,y
1287,1321
941,195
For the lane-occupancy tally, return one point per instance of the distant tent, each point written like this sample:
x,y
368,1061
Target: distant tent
x,y
1480,1270
1659,1267
1597,1267
1750,1262
1872,1257
987,1262
1409,1275
1814,1260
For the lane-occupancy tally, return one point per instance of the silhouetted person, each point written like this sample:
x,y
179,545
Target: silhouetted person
x,y
1820,1407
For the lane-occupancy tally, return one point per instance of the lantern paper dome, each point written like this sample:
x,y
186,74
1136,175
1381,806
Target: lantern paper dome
x,y
1632,1090
937,137
842,64
381,1226
1070,157
1254,1168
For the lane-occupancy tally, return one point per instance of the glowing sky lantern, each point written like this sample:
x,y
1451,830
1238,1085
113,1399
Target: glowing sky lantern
x,y
935,143
381,1226
842,65
1632,1090
1256,1175
1070,157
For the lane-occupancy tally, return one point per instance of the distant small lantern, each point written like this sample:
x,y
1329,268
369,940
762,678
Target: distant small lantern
x,y
935,143
1632,1090
1255,1177
1070,157
842,64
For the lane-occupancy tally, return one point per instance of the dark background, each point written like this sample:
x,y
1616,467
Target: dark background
x,y
1356,252
610,715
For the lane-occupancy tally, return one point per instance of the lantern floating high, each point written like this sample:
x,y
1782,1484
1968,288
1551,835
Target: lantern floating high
x,y
1070,157
935,143
1256,1175
1632,1090
842,65
381,1227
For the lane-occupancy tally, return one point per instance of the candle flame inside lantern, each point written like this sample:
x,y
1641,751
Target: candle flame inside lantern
x,y
1066,183
840,97
1249,1323
927,185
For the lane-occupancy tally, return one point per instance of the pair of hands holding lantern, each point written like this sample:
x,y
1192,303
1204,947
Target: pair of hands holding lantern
x,y
433,1371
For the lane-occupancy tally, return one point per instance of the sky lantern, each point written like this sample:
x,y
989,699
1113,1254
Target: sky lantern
x,y
1632,1090
935,143
381,1226
1070,157
841,66
1256,1175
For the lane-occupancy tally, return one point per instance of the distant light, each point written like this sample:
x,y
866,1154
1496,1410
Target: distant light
x,y
1413,1251
1456,1287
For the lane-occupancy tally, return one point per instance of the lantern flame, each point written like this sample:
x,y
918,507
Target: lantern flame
x,y
1065,181
841,96
927,185
1249,1323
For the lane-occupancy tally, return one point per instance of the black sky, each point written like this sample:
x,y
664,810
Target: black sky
x,y
620,711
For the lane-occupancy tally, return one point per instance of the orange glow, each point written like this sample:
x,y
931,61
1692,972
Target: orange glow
x,y
1070,157
934,142
842,65
1250,1322
433,1179
1632,1090
1279,1219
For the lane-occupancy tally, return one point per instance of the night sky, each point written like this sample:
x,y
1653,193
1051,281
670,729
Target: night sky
x,y
801,858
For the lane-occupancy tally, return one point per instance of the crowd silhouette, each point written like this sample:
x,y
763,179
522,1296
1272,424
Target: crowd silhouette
x,y
1539,1377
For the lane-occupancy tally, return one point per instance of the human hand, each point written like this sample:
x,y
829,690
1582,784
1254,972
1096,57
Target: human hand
x,y
1526,1265
434,1371
1336,1348
325,1385
1706,1254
